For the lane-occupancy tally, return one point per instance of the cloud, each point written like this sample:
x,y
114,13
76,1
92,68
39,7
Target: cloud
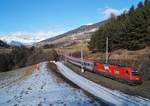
x,y
107,11
27,37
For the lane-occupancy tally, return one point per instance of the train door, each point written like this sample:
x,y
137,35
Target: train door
x,y
127,74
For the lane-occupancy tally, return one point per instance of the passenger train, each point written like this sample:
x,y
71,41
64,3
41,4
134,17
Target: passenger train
x,y
124,74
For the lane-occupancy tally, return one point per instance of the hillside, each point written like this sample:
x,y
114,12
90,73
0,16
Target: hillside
x,y
85,30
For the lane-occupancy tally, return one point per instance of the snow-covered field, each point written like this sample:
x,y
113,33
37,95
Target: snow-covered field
x,y
111,97
42,89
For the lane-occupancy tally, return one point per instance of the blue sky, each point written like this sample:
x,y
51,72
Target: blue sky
x,y
55,15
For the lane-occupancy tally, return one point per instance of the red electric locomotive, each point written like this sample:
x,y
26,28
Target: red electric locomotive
x,y
127,74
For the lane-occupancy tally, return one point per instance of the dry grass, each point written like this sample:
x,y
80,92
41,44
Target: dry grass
x,y
5,50
122,54
29,70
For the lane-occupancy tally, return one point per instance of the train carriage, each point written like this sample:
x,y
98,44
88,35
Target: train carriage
x,y
85,64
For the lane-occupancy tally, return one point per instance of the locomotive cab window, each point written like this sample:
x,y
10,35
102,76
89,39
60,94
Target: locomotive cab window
x,y
127,72
135,73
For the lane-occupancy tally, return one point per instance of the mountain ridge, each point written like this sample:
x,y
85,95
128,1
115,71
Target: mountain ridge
x,y
75,31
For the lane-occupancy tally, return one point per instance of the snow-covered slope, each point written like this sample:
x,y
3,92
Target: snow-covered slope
x,y
43,89
9,77
105,94
15,43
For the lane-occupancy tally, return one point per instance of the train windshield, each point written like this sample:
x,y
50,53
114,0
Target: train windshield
x,y
135,73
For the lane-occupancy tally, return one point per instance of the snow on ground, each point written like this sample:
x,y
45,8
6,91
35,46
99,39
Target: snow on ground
x,y
111,97
42,89
9,77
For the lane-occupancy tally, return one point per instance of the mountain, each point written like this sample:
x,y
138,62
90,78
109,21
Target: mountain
x,y
26,38
3,44
82,31
15,43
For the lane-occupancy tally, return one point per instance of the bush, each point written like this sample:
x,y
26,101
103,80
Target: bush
x,y
47,46
22,56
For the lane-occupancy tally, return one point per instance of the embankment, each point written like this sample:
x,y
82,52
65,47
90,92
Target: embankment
x,y
7,78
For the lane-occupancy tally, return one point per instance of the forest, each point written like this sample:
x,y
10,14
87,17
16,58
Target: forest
x,y
130,30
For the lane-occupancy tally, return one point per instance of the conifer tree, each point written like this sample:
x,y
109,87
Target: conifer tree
x,y
130,30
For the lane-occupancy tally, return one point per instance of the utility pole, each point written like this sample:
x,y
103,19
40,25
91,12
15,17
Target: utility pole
x,y
107,50
82,69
